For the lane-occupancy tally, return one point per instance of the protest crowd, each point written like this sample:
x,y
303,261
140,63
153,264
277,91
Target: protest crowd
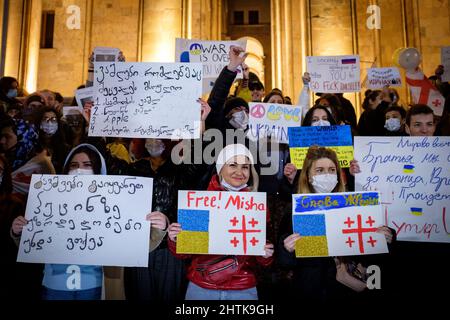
x,y
40,135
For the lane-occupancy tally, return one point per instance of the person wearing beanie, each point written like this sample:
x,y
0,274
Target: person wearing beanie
x,y
234,276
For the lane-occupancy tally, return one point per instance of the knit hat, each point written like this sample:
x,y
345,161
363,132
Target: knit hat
x,y
229,152
232,103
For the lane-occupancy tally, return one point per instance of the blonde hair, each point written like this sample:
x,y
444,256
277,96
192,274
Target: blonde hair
x,y
315,153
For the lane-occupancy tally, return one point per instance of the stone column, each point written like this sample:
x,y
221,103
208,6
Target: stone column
x,y
162,23
13,41
33,16
206,19
290,44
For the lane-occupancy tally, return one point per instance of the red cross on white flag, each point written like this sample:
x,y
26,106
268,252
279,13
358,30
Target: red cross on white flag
x,y
424,92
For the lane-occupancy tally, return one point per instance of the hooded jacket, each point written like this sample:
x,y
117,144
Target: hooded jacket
x,y
56,276
244,268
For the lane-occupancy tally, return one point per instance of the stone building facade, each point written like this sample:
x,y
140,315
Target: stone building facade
x,y
281,34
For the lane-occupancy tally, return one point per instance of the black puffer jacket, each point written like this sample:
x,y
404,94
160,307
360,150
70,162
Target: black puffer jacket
x,y
167,180
216,100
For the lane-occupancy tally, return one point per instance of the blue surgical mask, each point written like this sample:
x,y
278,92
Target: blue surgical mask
x,y
12,93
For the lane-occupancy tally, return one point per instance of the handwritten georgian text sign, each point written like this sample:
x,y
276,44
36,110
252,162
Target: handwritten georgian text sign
x,y
413,176
146,100
337,224
87,219
334,74
216,222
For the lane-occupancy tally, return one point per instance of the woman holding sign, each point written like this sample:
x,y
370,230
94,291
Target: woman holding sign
x,y
318,279
215,277
72,282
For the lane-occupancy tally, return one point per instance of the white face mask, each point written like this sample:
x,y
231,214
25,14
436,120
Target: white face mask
x,y
49,128
229,187
321,123
324,183
81,172
392,124
155,147
239,120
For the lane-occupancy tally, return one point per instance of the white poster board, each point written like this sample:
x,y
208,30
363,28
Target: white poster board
x,y
377,78
87,220
337,224
272,120
334,74
413,176
218,222
146,100
212,54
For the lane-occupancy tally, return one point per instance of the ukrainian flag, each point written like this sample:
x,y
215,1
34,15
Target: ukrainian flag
x,y
417,211
194,237
408,169
313,241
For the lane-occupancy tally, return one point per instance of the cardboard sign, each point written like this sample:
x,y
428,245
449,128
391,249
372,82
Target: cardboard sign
x,y
334,74
337,224
146,100
272,120
217,222
87,220
378,78
413,176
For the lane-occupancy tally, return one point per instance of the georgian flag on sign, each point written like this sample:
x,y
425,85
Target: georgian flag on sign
x,y
424,92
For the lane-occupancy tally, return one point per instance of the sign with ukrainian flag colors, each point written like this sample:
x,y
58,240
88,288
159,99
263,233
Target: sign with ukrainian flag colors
x,y
412,175
272,120
221,222
337,224
338,138
212,54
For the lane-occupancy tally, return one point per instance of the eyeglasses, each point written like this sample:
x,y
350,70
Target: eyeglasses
x,y
52,119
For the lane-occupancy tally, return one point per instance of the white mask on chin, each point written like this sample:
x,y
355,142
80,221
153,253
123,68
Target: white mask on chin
x,y
229,187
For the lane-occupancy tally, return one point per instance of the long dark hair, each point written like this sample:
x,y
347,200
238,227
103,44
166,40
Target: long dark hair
x,y
5,85
6,185
308,117
93,156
